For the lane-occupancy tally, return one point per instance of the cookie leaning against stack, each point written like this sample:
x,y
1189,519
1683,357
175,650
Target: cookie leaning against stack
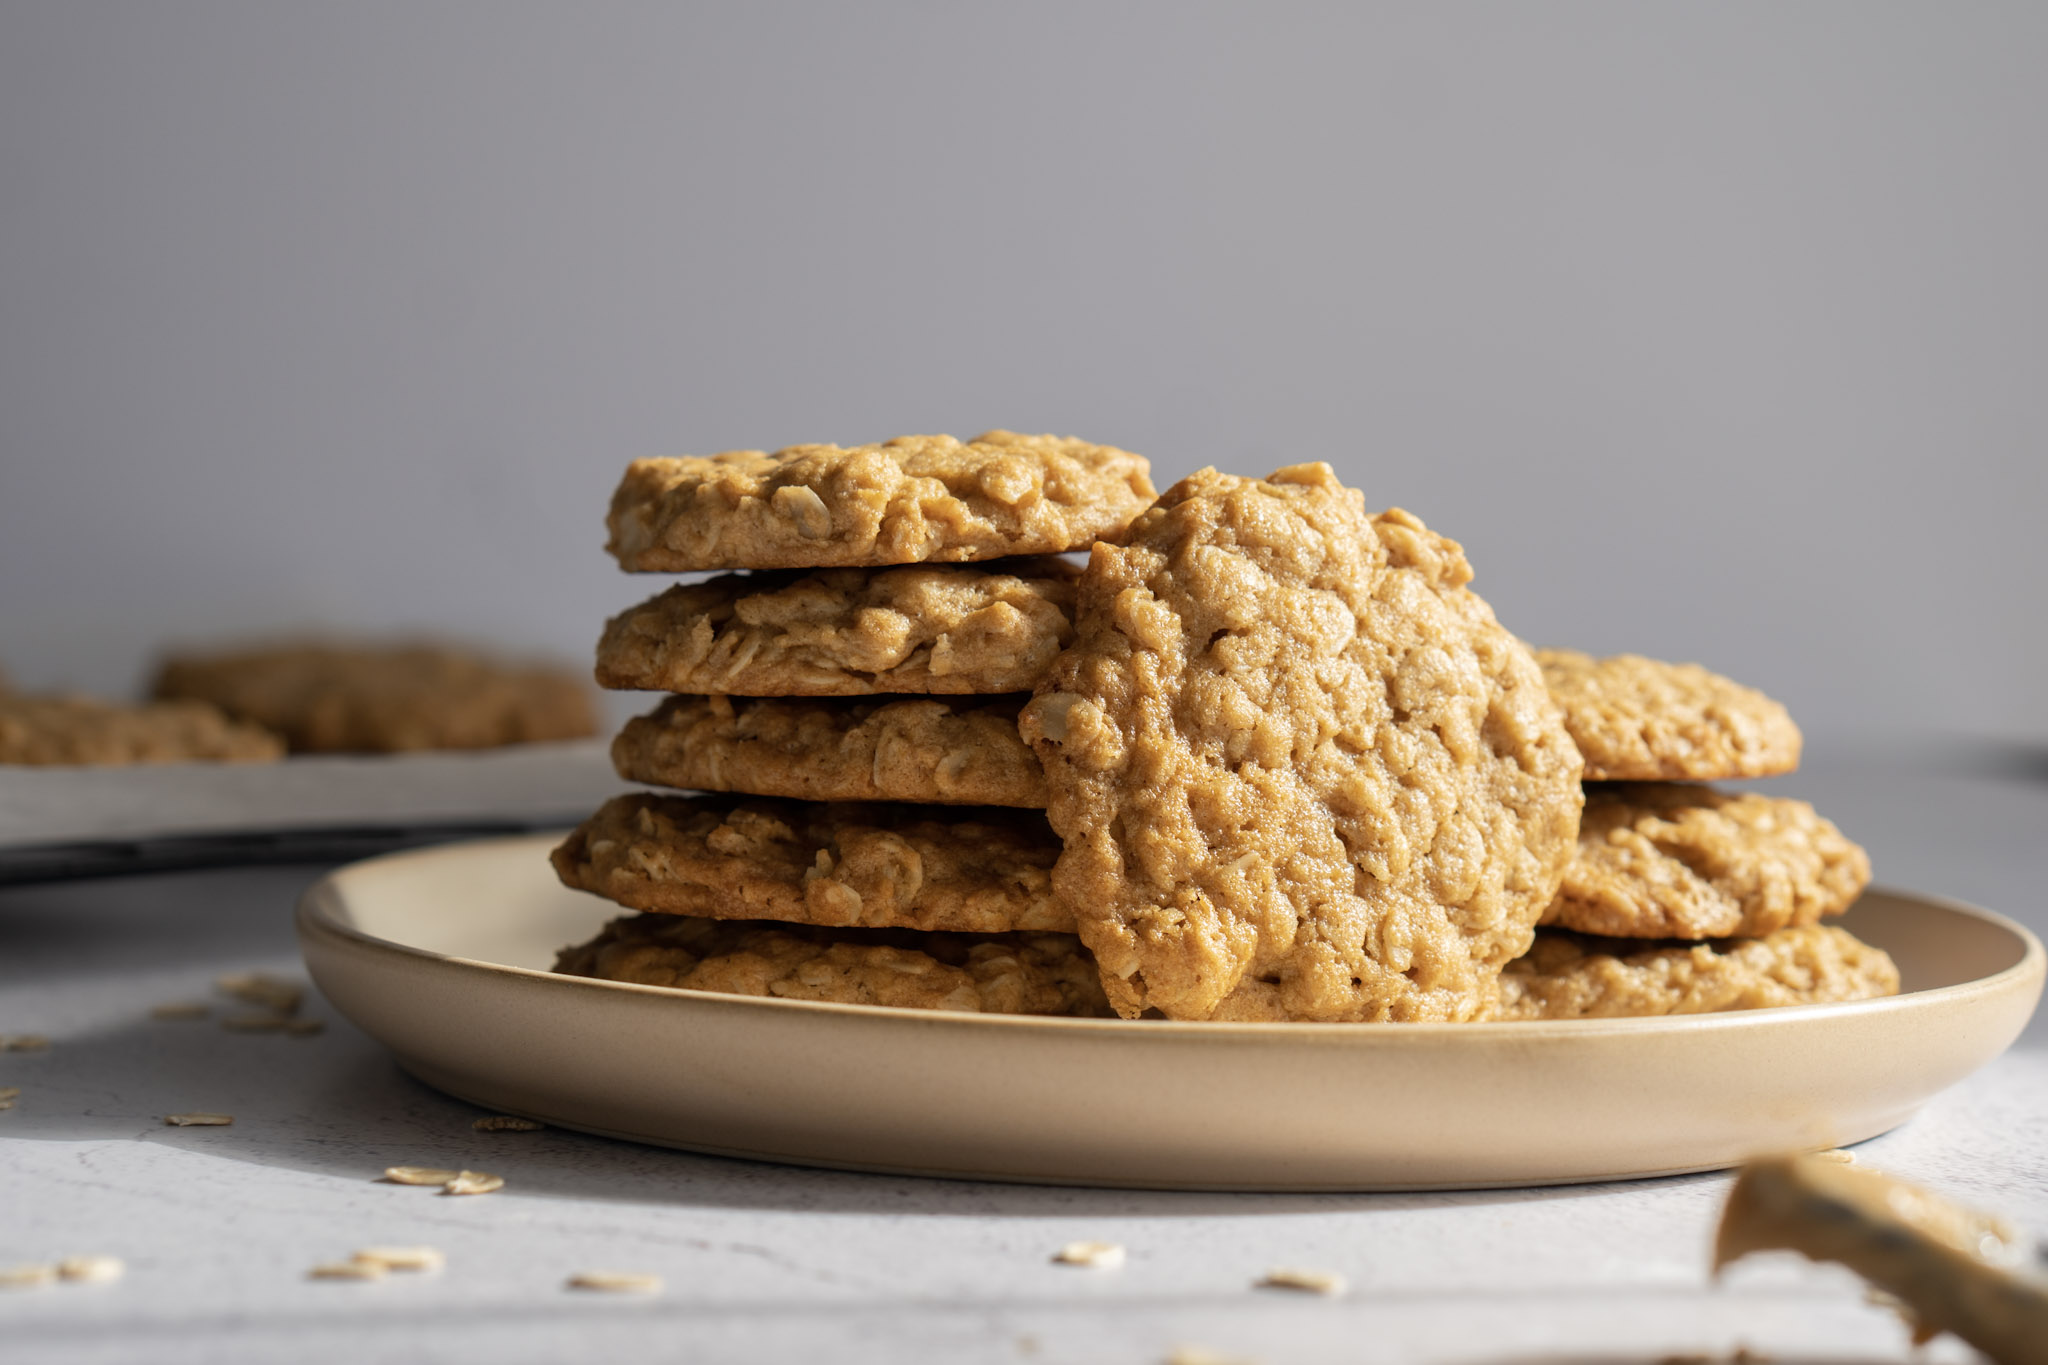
x,y
849,689
1683,899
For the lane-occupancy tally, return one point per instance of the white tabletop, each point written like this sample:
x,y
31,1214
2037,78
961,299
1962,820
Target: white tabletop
x,y
218,1226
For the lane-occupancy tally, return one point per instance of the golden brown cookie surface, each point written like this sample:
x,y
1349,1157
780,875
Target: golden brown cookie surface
x,y
923,749
847,632
64,731
1572,976
1300,770
983,974
967,870
333,698
1644,720
1671,860
916,499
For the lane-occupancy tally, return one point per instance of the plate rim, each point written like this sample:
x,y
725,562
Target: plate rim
x,y
313,918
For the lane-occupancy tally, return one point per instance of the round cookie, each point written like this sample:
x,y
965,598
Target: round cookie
x,y
1300,770
916,499
1668,860
847,632
1643,720
63,731
926,749
979,974
966,870
1569,976
385,699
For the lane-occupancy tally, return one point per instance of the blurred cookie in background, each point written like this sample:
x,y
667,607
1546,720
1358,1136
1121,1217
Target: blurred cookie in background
x,y
54,731
334,697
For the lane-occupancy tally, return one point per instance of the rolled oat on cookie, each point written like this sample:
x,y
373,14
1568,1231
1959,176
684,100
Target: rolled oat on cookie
x,y
1644,720
915,499
1573,976
1674,860
963,751
1300,770
1020,973
947,629
965,869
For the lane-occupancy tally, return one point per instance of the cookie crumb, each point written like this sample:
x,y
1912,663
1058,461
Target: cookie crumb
x,y
180,1010
28,1042
198,1120
507,1123
8,1095
1305,1281
473,1182
91,1269
1094,1255
262,990
417,1175
616,1281
1841,1156
402,1258
347,1270
27,1276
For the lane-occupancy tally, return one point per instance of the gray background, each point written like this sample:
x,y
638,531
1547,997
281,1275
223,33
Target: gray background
x,y
1714,331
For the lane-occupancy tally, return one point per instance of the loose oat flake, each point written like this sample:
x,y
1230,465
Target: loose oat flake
x,y
507,1123
402,1258
180,1010
198,1120
347,1270
26,1276
27,1042
616,1281
257,988
1094,1255
1307,1281
418,1175
473,1182
91,1269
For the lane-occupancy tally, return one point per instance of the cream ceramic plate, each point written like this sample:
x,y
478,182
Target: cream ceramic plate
x,y
442,954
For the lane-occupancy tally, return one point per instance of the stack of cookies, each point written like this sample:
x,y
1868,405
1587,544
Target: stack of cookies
x,y
846,691
1280,763
1681,898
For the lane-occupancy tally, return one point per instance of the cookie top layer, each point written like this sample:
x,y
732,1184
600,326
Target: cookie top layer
x,y
1643,720
847,632
1301,771
327,698
913,500
968,870
1570,976
964,752
50,731
978,974
1669,860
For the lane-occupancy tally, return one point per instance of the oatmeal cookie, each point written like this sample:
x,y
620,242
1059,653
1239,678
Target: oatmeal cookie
x,y
1301,771
1669,860
331,698
53,731
913,500
963,752
1573,976
967,870
1642,720
847,632
978,974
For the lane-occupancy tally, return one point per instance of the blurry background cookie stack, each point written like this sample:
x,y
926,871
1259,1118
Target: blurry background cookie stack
x,y
845,693
1682,898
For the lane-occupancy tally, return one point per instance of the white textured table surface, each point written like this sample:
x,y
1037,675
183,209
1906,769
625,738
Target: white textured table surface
x,y
765,1263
